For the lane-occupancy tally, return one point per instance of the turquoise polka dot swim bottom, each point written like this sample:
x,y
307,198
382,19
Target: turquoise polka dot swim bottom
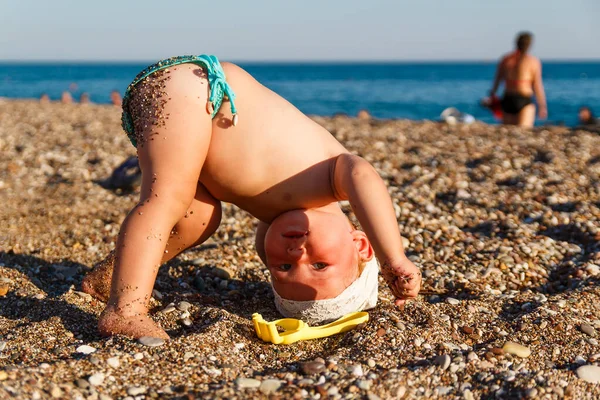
x,y
219,87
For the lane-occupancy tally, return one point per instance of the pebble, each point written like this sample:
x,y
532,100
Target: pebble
x,y
151,341
96,379
3,376
588,330
113,362
363,384
443,361
589,373
82,383
169,308
468,395
452,301
136,390
312,367
85,349
269,386
401,391
443,390
221,273
183,306
357,370
56,392
593,269
138,356
371,363
247,383
199,283
531,393
516,349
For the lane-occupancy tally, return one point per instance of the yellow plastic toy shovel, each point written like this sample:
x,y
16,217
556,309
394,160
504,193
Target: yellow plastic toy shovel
x,y
295,329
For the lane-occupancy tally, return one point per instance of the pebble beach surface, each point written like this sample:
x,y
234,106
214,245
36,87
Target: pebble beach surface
x,y
504,222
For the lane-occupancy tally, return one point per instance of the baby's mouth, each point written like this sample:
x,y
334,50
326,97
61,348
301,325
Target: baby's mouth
x,y
294,234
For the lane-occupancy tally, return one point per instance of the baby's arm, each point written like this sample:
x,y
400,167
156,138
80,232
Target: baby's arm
x,y
354,179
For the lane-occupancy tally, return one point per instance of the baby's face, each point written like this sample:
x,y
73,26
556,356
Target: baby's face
x,y
312,254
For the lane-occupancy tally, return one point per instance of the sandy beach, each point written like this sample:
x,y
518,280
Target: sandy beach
x,y
504,222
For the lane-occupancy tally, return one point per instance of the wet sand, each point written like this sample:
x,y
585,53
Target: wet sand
x,y
504,223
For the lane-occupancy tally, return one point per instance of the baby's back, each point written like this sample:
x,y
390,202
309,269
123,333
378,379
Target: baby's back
x,y
275,159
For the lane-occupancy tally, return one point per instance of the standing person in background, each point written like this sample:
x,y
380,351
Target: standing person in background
x,y
66,98
115,98
522,76
84,98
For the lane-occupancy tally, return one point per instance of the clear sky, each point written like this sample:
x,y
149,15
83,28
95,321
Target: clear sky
x,y
295,29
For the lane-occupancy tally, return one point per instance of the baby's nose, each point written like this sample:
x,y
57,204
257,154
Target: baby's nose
x,y
296,250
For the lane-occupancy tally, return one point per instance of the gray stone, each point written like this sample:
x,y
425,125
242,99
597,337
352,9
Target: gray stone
x,y
363,384
357,370
531,393
96,379
151,341
452,301
443,390
516,349
82,383
199,283
113,362
169,308
589,373
247,383
221,273
588,330
269,386
85,349
443,361
183,306
136,390
312,367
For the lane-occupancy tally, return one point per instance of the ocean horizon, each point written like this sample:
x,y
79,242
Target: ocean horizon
x,y
416,90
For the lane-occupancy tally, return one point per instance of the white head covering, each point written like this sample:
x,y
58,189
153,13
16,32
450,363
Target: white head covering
x,y
360,295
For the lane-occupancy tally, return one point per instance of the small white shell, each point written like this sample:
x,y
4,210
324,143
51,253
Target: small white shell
x,y
234,120
210,107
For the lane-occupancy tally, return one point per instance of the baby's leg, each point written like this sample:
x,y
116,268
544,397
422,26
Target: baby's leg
x,y
173,132
201,220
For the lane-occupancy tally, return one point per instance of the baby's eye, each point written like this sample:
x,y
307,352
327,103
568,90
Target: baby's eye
x,y
285,267
319,265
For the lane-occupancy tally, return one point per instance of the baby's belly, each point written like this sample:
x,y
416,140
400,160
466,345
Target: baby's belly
x,y
266,187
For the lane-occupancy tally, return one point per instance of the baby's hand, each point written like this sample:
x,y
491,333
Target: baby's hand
x,y
403,278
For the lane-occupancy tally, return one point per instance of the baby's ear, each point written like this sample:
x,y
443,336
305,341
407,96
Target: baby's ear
x,y
363,245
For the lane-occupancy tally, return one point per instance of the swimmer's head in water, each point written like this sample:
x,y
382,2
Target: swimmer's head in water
x,y
524,40
314,254
585,115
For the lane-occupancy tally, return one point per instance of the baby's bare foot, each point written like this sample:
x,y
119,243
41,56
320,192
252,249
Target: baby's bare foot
x,y
136,326
97,282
